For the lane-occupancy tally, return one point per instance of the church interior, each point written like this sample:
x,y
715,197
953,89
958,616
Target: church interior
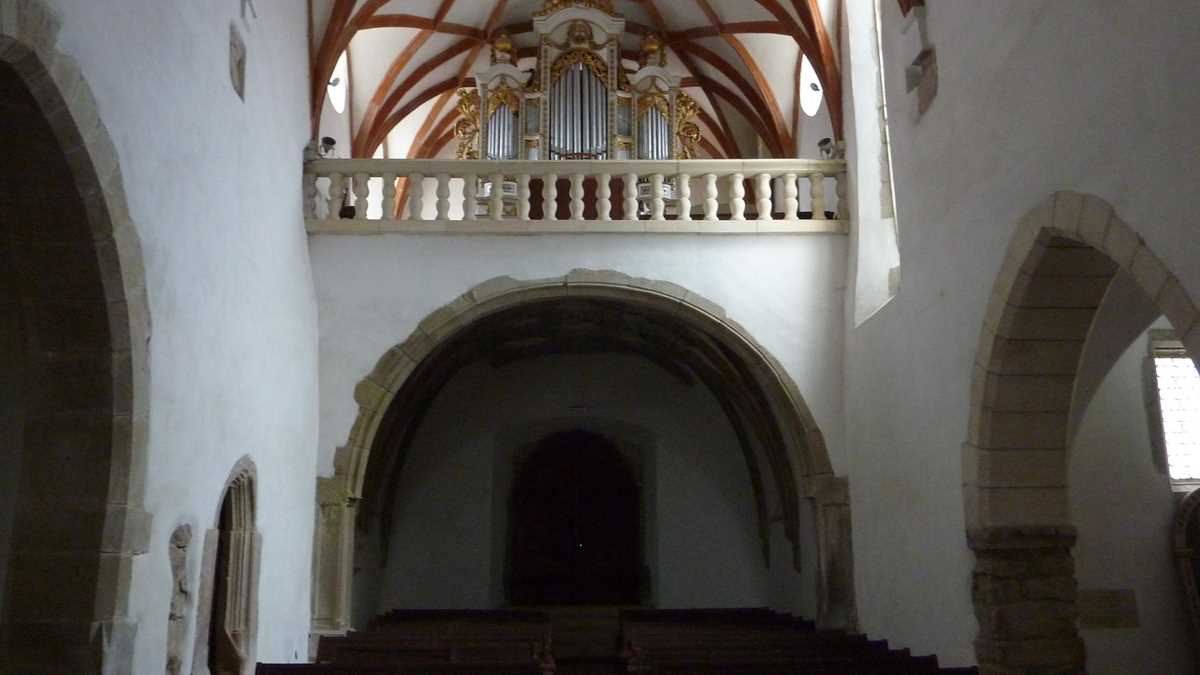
x,y
599,336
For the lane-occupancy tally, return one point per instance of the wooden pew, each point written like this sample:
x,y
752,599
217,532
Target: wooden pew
x,y
755,641
404,669
518,640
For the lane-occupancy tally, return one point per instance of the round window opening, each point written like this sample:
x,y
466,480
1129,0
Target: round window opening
x,y
338,85
810,88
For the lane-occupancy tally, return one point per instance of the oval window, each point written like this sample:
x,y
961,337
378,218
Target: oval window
x,y
810,88
338,85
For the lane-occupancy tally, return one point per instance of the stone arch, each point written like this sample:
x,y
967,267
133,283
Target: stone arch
x,y
802,453
1058,266
80,621
228,599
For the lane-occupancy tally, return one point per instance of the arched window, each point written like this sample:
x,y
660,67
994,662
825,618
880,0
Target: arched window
x,y
1174,397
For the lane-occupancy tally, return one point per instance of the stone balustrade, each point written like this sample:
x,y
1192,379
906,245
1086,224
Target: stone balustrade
x,y
754,196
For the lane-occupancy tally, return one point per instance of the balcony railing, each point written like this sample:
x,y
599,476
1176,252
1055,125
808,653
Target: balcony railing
x,y
753,196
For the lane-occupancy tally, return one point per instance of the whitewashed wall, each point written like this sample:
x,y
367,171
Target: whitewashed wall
x,y
449,527
786,291
213,189
373,290
1034,96
1123,508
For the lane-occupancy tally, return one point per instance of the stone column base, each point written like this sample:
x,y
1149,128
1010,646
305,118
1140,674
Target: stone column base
x,y
1024,592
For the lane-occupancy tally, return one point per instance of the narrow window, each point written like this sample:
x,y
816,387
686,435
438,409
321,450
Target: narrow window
x,y
1176,384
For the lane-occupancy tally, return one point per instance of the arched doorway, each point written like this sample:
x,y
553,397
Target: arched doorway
x,y
585,311
575,530
72,368
1059,266
227,627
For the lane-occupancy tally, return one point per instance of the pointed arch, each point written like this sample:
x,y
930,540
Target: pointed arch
x,y
1015,460
80,619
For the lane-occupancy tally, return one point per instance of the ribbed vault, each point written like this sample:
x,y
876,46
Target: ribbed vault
x,y
740,59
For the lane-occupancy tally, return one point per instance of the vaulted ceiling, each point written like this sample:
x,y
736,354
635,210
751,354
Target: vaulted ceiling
x,y
740,59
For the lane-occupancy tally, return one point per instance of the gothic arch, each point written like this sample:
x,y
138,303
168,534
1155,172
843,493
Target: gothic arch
x,y
799,461
81,619
1056,271
228,598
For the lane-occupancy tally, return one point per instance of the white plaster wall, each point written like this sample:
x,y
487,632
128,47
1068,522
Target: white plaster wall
x,y
1051,95
785,290
213,189
1123,509
700,503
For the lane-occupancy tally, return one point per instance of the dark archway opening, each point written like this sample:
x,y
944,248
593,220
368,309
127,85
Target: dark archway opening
x,y
223,655
575,528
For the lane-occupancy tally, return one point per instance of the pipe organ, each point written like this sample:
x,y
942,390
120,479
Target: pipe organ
x,y
574,99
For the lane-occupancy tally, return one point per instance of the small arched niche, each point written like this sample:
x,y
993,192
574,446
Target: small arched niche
x,y
227,626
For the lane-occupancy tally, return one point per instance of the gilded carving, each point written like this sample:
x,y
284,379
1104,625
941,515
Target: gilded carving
x,y
653,100
687,132
503,50
569,58
653,53
466,130
500,96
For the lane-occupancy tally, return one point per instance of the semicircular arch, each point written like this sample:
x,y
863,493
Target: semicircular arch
x,y
797,457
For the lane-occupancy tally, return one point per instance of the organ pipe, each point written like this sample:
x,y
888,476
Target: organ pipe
x,y
578,114
653,135
571,88
502,134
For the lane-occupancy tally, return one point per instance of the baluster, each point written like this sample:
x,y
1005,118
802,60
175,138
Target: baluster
x,y
550,196
337,191
443,196
631,202
310,195
470,188
656,201
843,206
791,193
710,196
603,197
737,200
416,195
389,196
763,188
523,196
496,211
683,187
361,190
576,196
818,195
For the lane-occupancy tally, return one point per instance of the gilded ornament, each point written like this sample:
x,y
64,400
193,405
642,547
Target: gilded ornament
x,y
587,58
655,100
503,50
653,53
687,132
466,130
503,95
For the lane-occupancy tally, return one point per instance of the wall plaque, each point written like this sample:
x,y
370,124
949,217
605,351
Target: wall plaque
x,y
1108,609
